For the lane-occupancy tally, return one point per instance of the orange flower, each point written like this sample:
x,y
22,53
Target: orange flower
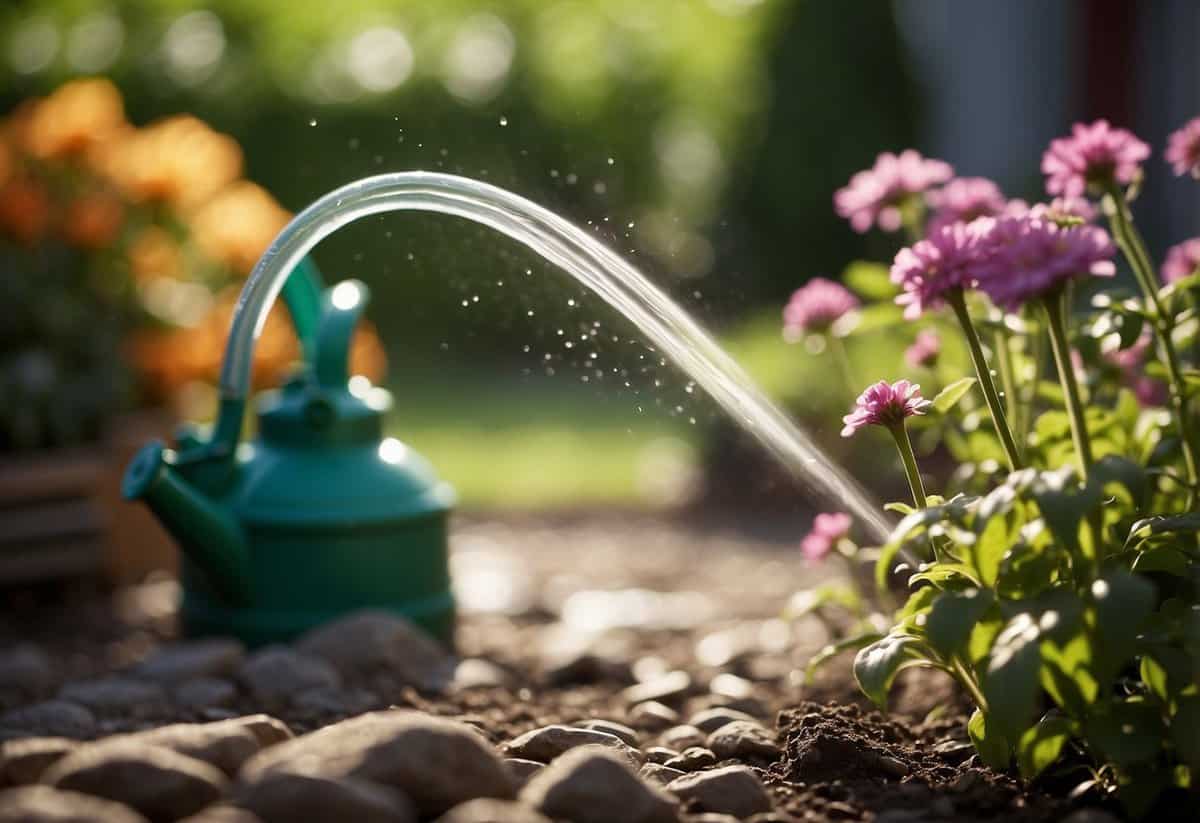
x,y
237,226
74,118
179,161
93,220
154,253
24,210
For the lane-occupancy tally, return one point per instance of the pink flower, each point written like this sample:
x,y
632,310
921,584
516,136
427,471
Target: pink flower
x,y
1026,257
1095,153
944,260
1183,149
876,194
828,528
815,306
1182,260
1064,210
963,199
925,349
885,404
1149,392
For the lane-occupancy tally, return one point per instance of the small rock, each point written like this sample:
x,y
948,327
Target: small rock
x,y
215,657
488,810
343,701
118,696
709,720
584,667
659,754
693,759
653,716
549,742
743,738
712,817
267,729
42,804
205,693
369,642
276,674
670,685
1089,816
226,744
26,670
474,673
593,785
682,737
159,783
521,769
23,761
627,735
282,797
221,813
658,774
436,762
732,686
732,790
53,718
893,766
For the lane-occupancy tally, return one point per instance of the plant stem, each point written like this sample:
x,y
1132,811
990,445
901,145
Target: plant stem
x,y
1134,248
900,433
1056,324
959,304
1008,380
968,681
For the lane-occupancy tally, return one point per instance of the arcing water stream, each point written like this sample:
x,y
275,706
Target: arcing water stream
x,y
592,263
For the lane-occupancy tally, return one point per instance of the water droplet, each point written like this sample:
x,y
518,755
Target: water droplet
x,y
571,302
529,313
312,122
503,121
600,187
611,161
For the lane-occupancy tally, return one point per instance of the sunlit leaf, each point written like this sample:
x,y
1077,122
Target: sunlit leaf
x,y
870,280
876,666
953,616
832,650
1011,681
1041,745
993,747
948,397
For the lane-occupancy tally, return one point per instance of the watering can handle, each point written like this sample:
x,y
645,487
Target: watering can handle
x,y
341,308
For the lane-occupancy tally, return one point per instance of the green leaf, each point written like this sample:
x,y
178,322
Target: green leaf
x,y
993,543
832,650
953,617
1010,684
1041,745
874,317
1121,603
1115,469
871,280
919,601
993,748
1066,673
1130,732
983,635
1064,506
948,397
1146,527
876,666
1185,731
1163,559
1166,671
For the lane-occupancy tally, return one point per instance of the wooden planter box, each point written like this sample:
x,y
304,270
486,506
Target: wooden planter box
x,y
61,513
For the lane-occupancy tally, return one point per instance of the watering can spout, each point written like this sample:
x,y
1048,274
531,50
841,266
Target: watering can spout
x,y
209,536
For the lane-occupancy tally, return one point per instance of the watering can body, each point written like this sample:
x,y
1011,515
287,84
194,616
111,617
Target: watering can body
x,y
318,516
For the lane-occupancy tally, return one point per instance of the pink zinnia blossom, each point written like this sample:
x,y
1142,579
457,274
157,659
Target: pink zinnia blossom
x,y
828,528
815,306
875,195
1026,257
1183,149
943,261
1182,260
924,350
963,199
1064,209
1149,392
1095,153
885,404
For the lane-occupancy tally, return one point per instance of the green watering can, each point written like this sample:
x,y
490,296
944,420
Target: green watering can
x,y
319,515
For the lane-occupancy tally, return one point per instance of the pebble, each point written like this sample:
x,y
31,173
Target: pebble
x,y
276,674
743,738
205,693
584,667
369,642
267,729
26,670
653,716
658,774
619,730
53,718
225,744
23,761
709,720
488,810
732,790
282,797
665,687
42,804
343,701
159,783
222,813
712,817
521,769
438,763
216,657
1090,816
549,742
593,785
659,754
118,696
731,686
474,673
692,759
682,737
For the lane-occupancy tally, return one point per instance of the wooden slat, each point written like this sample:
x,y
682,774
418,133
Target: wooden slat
x,y
44,521
40,477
